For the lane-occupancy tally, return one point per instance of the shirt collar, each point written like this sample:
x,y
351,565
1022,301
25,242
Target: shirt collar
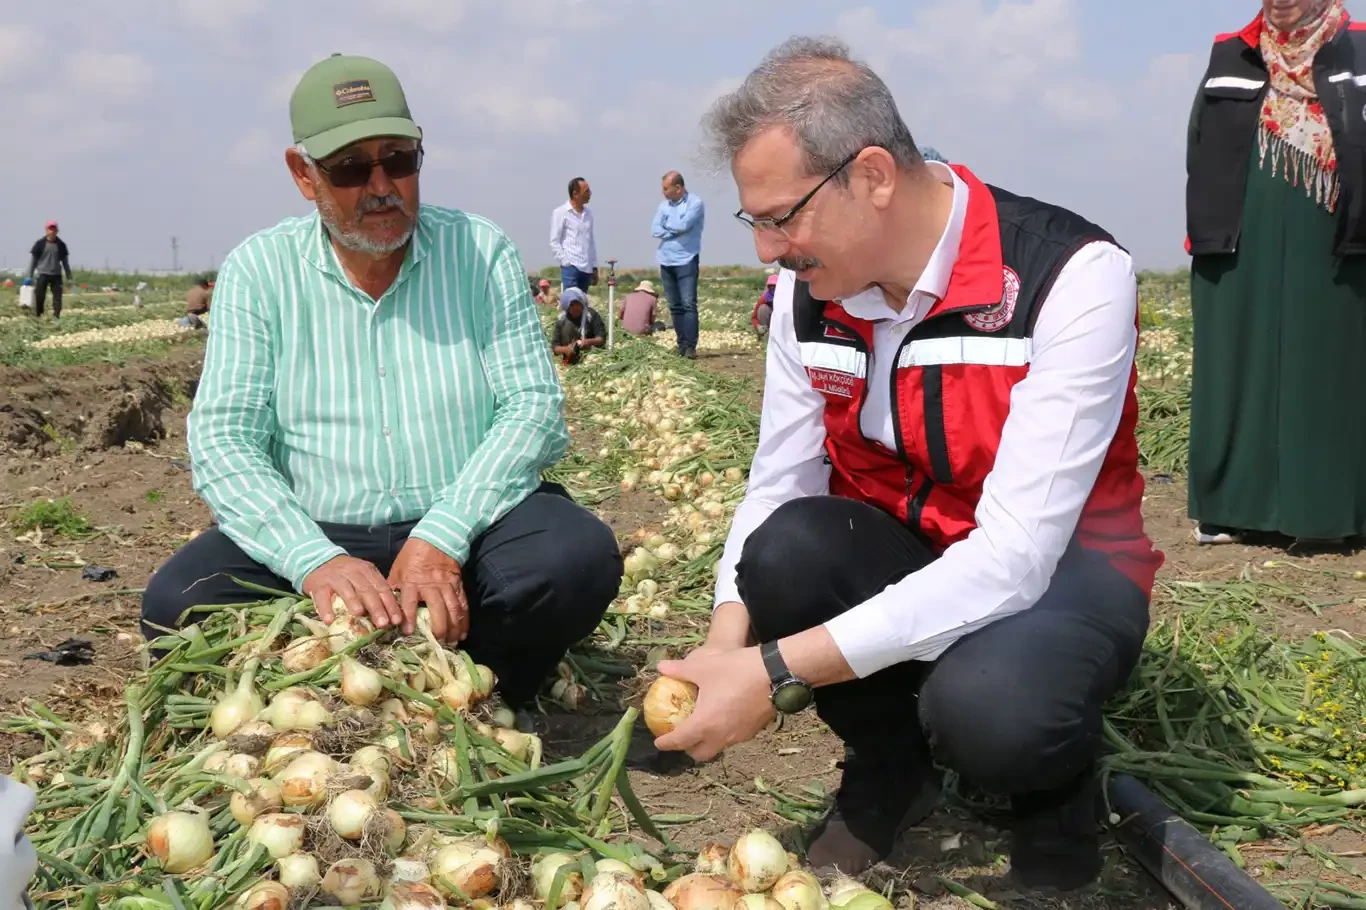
x,y
934,280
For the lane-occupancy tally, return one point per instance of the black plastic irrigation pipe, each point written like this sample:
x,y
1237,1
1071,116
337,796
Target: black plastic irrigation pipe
x,y
1180,857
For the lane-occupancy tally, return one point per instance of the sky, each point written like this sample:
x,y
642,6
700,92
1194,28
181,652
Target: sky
x,y
135,122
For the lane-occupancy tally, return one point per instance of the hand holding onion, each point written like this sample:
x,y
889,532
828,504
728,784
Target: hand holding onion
x,y
732,706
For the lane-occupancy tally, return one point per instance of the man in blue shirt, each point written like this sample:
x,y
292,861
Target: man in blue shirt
x,y
678,225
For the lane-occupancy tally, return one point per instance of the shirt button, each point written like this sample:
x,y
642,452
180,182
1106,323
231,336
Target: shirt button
x,y
386,431
394,493
383,372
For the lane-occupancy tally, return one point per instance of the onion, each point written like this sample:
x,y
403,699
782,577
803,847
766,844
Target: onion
x,y
648,588
349,812
702,892
756,902
296,709
394,827
360,685
757,861
543,871
616,865
503,716
242,767
265,895
407,869
843,885
180,840
235,708
217,762
734,475
615,891
446,764
263,796
799,890
305,653
281,833
303,782
406,895
371,758
861,899
458,694
481,678
668,703
285,748
352,881
666,552
569,695
640,564
658,901
299,870
345,629
712,859
468,868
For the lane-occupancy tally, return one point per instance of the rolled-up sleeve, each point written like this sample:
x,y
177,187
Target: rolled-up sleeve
x,y
230,430
528,432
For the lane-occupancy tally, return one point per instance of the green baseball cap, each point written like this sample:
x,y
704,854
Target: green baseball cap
x,y
346,99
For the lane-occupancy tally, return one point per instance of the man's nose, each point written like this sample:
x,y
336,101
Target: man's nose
x,y
771,245
379,183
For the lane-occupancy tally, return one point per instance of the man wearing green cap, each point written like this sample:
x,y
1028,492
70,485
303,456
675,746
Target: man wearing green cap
x,y
376,408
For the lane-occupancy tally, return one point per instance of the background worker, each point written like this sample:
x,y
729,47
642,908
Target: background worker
x,y
48,260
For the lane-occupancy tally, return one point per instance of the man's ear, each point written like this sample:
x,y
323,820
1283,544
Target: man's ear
x,y
302,173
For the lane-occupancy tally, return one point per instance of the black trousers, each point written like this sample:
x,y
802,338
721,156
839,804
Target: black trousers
x,y
537,581
41,283
1014,707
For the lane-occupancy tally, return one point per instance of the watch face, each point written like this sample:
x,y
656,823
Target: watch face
x,y
791,697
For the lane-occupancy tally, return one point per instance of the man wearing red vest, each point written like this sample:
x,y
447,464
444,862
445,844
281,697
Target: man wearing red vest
x,y
941,543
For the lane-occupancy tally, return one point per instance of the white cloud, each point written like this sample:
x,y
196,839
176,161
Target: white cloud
x,y
438,16
20,46
115,77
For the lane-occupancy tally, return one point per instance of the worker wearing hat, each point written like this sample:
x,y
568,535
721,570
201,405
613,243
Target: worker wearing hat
x,y
763,307
48,260
637,310
376,408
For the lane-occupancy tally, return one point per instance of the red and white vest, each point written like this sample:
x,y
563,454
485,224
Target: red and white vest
x,y
952,381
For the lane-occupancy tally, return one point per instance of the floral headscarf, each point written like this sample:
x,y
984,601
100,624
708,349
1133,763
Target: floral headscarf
x,y
1294,126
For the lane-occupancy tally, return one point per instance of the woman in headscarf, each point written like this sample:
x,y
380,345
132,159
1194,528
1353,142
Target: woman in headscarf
x,y
1276,222
578,328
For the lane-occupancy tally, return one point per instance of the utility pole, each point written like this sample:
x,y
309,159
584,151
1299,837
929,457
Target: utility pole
x,y
175,255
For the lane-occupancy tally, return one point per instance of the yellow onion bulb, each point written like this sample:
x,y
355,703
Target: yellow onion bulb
x,y
233,710
712,859
658,901
284,748
668,702
263,796
698,891
861,899
280,833
180,841
798,890
408,895
756,861
352,881
349,812
346,629
303,782
614,891
616,865
305,653
265,895
242,766
299,870
410,869
360,685
756,902
394,827
468,867
543,871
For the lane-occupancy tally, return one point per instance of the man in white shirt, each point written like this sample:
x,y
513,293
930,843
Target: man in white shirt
x,y
571,239
941,542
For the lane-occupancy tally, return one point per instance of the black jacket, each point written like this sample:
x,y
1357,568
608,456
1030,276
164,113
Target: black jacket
x,y
1225,120
36,253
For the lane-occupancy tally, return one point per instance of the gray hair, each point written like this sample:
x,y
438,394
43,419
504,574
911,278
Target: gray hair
x,y
834,105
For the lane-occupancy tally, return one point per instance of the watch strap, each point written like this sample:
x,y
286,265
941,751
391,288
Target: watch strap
x,y
774,663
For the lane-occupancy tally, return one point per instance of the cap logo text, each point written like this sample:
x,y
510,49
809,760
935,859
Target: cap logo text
x,y
353,92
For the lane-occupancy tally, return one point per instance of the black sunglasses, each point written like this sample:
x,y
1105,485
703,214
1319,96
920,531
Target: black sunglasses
x,y
353,172
776,224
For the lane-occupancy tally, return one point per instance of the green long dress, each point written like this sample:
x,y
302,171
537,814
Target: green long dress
x,y
1278,410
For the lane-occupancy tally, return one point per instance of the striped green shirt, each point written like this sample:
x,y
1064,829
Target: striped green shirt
x,y
437,402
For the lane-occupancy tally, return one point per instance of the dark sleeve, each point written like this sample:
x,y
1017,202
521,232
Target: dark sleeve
x,y
557,338
596,327
1193,126
66,262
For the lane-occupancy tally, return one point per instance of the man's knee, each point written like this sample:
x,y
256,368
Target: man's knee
x,y
1002,734
168,594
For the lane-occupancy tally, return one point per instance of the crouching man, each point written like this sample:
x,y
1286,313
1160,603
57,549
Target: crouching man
x,y
376,409
941,542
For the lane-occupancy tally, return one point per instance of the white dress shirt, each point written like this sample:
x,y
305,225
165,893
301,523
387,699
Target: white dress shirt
x,y
571,238
1062,419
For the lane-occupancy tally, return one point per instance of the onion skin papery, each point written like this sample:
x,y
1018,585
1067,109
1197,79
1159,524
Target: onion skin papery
x,y
349,813
408,869
303,782
281,833
360,685
352,881
616,865
668,703
657,901
299,870
234,710
712,859
615,891
180,841
756,902
284,748
264,796
265,896
697,891
466,867
861,899
799,890
407,895
543,870
242,767
757,861
305,653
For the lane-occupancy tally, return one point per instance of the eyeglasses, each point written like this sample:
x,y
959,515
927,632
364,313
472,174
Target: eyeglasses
x,y
776,224
353,172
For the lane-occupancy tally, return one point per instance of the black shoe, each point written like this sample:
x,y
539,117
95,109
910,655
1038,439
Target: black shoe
x,y
1055,838
880,796
690,353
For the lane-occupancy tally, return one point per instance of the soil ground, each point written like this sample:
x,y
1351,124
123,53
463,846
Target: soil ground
x,y
112,439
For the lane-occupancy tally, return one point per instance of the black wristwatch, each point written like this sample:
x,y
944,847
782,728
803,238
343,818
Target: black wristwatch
x,y
788,693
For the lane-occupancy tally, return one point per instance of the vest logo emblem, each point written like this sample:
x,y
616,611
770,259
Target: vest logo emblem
x,y
831,382
997,317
